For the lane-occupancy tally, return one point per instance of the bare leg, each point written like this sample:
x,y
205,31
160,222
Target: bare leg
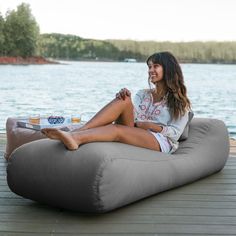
x,y
113,132
117,110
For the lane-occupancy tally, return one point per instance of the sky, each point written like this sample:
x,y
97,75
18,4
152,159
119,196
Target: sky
x,y
157,20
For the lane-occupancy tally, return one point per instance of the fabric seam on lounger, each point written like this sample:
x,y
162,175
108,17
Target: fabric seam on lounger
x,y
116,158
99,205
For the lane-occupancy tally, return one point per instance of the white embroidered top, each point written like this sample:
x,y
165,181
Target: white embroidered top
x,y
146,110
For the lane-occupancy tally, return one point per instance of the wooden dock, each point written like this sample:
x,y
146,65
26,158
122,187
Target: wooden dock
x,y
206,207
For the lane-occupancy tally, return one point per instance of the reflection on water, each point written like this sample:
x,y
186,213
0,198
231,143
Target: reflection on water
x,y
85,87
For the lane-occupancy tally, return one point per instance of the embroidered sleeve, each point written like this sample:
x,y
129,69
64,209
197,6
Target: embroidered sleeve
x,y
175,128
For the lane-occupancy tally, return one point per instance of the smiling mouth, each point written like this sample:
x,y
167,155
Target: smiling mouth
x,y
153,76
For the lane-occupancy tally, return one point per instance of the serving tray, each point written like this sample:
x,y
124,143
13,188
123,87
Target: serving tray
x,y
44,123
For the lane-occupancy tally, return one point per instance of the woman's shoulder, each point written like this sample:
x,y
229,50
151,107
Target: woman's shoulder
x,y
143,92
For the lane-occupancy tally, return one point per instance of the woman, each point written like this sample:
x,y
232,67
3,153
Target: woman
x,y
155,120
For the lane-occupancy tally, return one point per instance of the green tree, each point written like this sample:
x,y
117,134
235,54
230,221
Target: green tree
x,y
21,32
2,38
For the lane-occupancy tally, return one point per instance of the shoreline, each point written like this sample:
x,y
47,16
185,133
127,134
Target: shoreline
x,y
40,60
34,60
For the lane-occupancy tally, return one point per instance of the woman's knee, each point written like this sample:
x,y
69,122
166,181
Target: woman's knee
x,y
127,102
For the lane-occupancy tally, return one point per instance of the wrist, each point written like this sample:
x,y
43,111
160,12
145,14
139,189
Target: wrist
x,y
156,128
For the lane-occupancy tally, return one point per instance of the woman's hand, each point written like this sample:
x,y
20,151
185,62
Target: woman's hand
x,y
143,125
123,93
149,125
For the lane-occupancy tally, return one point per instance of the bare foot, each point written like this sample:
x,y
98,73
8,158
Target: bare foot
x,y
65,137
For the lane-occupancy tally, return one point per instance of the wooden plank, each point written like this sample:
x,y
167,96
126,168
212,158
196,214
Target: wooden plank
x,y
136,219
123,228
133,209
146,228
113,218
26,234
139,206
119,228
169,196
28,227
103,234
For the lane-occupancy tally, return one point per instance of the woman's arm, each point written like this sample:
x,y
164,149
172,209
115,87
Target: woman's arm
x,y
172,130
175,128
149,125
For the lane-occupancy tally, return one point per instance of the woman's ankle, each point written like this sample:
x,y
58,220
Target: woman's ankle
x,y
76,137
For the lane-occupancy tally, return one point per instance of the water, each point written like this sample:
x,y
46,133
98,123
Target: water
x,y
85,87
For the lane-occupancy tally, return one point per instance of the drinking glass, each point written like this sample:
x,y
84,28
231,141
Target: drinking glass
x,y
34,119
75,118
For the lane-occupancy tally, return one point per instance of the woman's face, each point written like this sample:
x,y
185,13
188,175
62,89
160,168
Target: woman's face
x,y
155,72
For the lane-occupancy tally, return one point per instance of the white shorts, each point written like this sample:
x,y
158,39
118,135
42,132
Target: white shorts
x,y
163,141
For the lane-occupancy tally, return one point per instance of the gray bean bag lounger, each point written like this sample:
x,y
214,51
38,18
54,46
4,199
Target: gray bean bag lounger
x,y
102,176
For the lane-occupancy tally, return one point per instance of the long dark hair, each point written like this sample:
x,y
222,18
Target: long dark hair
x,y
177,99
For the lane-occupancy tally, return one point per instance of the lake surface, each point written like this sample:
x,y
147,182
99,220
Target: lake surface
x,y
85,87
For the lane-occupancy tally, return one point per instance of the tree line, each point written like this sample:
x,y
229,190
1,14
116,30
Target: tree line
x,y
189,52
76,48
71,47
20,36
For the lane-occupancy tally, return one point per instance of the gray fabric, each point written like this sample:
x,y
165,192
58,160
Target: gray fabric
x,y
184,135
99,177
